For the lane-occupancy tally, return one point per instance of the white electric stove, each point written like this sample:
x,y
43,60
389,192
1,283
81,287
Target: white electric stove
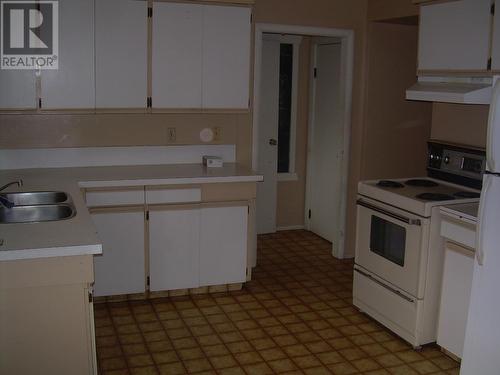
x,y
399,250
417,195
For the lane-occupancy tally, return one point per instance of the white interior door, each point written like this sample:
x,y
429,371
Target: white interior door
x,y
326,141
268,135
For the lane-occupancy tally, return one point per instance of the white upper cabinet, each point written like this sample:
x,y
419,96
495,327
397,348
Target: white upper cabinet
x,y
455,35
72,85
121,42
201,56
177,55
226,56
17,89
495,52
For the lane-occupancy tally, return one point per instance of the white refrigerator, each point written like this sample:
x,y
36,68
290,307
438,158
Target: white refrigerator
x,y
481,355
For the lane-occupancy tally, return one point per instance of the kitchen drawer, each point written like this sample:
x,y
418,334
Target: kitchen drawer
x,y
459,232
125,197
172,195
386,306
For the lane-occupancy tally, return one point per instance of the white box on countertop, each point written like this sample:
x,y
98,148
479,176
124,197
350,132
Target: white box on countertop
x,y
212,161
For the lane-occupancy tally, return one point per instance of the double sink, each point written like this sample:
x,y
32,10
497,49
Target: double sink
x,y
39,206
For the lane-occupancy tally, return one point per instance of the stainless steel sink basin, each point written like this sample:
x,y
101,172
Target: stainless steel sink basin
x,y
36,198
33,214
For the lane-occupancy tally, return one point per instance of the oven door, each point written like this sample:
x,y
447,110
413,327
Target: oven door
x,y
391,244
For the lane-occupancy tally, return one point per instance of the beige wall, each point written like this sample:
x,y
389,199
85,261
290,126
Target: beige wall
x,y
460,123
381,10
84,130
396,130
291,194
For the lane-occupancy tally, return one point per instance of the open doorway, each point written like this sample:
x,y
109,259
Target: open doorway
x,y
280,150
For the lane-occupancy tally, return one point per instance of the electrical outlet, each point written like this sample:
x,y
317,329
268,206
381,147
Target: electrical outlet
x,y
217,133
172,136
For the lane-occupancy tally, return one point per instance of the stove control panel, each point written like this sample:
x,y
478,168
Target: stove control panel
x,y
456,162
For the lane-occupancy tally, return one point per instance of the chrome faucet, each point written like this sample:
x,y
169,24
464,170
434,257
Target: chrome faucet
x,y
3,200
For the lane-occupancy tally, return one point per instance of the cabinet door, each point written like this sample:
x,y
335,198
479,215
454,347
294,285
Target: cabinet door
x,y
72,85
121,53
226,56
17,89
495,52
455,297
121,268
455,35
174,249
177,55
223,245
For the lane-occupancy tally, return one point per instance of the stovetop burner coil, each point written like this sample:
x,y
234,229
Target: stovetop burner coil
x,y
390,184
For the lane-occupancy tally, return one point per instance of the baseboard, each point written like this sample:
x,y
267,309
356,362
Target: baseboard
x,y
291,227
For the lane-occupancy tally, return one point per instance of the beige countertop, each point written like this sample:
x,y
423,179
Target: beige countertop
x,y
78,236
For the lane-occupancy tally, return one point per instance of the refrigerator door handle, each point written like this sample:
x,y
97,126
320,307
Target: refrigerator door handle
x,y
479,233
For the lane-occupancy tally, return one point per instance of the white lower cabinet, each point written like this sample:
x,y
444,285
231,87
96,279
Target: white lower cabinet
x,y
455,297
121,267
174,248
197,246
223,245
171,238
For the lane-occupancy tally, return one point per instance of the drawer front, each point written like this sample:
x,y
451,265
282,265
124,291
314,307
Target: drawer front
x,y
162,196
385,305
114,198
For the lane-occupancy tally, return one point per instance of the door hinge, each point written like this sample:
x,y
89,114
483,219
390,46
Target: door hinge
x,y
147,215
149,102
91,297
489,64
150,12
315,72
39,102
148,281
493,8
309,214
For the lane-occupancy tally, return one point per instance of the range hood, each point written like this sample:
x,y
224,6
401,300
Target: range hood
x,y
452,90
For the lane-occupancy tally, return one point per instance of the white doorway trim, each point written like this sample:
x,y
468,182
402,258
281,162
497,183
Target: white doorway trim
x,y
347,39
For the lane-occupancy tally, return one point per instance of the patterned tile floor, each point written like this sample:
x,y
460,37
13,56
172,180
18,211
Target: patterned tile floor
x,y
295,317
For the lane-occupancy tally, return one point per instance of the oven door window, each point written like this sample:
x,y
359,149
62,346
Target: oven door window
x,y
388,240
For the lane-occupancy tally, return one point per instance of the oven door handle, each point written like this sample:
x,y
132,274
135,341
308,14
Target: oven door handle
x,y
403,219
